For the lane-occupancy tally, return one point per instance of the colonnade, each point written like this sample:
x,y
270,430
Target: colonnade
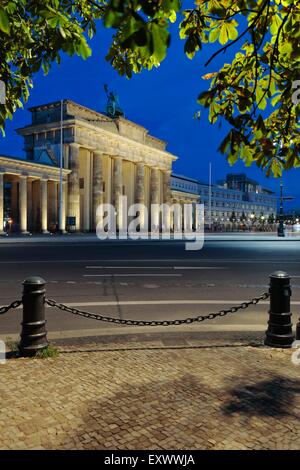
x,y
33,203
93,178
107,188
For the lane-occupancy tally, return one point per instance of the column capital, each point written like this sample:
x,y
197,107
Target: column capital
x,y
74,145
140,167
154,168
118,168
97,153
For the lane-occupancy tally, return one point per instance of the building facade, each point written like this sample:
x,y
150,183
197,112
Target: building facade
x,y
29,195
236,199
103,159
185,193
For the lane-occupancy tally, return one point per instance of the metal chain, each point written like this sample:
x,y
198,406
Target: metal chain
x,y
13,305
200,318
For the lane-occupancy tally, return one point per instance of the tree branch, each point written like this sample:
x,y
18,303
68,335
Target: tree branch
x,y
223,49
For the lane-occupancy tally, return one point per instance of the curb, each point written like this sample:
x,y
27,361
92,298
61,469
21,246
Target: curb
x,y
141,334
92,239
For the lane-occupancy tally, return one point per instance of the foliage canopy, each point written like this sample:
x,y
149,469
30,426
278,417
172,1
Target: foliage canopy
x,y
257,93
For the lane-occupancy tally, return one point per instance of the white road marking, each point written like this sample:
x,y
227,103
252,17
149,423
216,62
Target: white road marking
x,y
200,267
129,267
156,267
132,275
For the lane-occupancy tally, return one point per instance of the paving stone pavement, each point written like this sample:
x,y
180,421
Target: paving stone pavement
x,y
155,394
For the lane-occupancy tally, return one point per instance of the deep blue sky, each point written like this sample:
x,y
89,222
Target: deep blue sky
x,y
163,100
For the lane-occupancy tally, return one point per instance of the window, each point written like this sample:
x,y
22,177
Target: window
x,y
81,183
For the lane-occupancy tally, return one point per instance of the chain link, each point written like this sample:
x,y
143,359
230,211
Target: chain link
x,y
13,305
120,321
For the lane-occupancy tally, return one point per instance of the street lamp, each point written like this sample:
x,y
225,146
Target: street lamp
x,y
10,222
252,217
281,232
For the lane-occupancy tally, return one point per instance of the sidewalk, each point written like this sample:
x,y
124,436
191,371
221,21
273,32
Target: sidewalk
x,y
218,391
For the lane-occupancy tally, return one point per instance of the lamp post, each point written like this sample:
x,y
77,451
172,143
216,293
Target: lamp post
x,y
281,226
281,231
61,223
252,219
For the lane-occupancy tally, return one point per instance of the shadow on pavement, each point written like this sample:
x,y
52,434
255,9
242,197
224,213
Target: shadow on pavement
x,y
160,414
273,397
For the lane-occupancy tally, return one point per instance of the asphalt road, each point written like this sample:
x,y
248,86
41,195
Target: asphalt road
x,y
147,280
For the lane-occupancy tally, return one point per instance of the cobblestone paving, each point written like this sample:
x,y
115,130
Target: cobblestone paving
x,y
153,395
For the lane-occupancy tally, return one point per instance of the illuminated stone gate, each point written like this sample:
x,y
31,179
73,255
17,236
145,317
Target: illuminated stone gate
x,y
103,158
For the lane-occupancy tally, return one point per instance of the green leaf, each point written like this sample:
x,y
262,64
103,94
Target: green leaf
x,y
84,49
205,98
214,35
246,154
232,30
53,22
276,100
228,32
173,16
223,36
112,18
160,41
261,98
4,22
62,32
275,25
233,157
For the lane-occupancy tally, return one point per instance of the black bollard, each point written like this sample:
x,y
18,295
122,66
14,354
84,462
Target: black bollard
x,y
34,334
279,333
298,330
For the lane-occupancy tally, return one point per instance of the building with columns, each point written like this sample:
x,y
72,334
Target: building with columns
x,y
29,191
237,196
103,158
